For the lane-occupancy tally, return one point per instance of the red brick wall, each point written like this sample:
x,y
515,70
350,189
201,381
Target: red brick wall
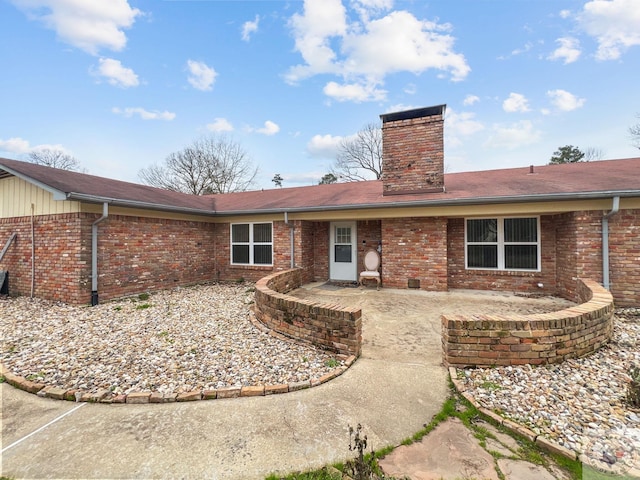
x,y
624,260
137,254
578,250
304,248
330,327
413,154
415,248
321,250
525,282
481,340
62,256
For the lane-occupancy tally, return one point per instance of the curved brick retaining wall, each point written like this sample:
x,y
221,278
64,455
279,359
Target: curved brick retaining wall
x,y
330,327
486,340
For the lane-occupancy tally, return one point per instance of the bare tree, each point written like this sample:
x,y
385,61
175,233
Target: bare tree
x,y
213,164
360,157
634,132
55,158
592,154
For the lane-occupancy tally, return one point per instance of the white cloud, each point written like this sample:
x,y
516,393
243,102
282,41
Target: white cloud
x,y
14,145
569,50
613,23
363,52
353,92
21,146
115,73
87,25
462,123
513,136
143,114
201,75
325,146
516,103
565,13
470,100
250,27
220,125
564,100
270,128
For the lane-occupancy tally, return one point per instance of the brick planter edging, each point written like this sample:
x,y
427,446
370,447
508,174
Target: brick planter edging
x,y
542,442
106,396
488,340
327,326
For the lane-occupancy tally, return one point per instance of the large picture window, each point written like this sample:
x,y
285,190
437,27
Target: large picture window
x,y
502,243
252,243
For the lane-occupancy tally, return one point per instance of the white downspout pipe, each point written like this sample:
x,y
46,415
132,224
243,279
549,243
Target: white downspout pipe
x,y
94,254
292,238
605,241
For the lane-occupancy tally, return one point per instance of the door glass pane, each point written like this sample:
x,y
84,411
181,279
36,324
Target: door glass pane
x,y
520,230
482,256
343,253
343,235
482,230
521,256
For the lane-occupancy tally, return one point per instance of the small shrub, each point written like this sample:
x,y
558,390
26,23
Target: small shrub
x,y
332,363
143,306
143,296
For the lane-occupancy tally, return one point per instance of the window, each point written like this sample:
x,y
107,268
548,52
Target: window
x,y
502,243
252,243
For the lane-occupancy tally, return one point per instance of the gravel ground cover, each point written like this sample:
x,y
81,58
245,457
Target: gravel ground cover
x,y
171,342
579,404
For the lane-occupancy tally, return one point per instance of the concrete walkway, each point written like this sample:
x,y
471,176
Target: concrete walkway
x,y
396,387
392,390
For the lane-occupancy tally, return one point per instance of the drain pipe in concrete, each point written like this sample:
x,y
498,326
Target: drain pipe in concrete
x,y
292,238
605,241
94,254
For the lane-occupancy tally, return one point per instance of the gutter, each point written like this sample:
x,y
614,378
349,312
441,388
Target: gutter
x,y
291,237
94,254
137,204
605,241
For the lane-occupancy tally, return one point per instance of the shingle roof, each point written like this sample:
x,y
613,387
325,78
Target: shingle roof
x,y
80,186
577,180
586,179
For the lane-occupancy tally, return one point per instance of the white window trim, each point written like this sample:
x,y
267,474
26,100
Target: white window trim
x,y
501,244
250,243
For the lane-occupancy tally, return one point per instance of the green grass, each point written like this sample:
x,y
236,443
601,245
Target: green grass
x,y
332,363
143,306
2,380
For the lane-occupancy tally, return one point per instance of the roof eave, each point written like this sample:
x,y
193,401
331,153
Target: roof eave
x,y
82,197
442,203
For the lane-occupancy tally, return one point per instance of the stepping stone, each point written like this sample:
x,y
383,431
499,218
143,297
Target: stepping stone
x,y
449,452
522,470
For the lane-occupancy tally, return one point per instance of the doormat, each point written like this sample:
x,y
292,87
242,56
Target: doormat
x,y
337,285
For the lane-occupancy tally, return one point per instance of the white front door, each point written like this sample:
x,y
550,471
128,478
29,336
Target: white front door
x,y
343,252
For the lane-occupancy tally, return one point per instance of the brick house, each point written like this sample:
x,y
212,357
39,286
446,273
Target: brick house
x,y
532,230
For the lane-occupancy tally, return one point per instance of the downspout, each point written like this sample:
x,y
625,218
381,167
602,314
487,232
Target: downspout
x,y
33,253
605,241
94,254
292,238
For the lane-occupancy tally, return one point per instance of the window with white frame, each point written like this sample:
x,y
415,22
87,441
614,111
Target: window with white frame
x,y
502,243
252,243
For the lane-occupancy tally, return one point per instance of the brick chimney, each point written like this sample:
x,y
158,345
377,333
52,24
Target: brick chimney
x,y
413,151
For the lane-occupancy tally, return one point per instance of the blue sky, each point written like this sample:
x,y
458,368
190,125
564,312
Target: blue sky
x,y
122,84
